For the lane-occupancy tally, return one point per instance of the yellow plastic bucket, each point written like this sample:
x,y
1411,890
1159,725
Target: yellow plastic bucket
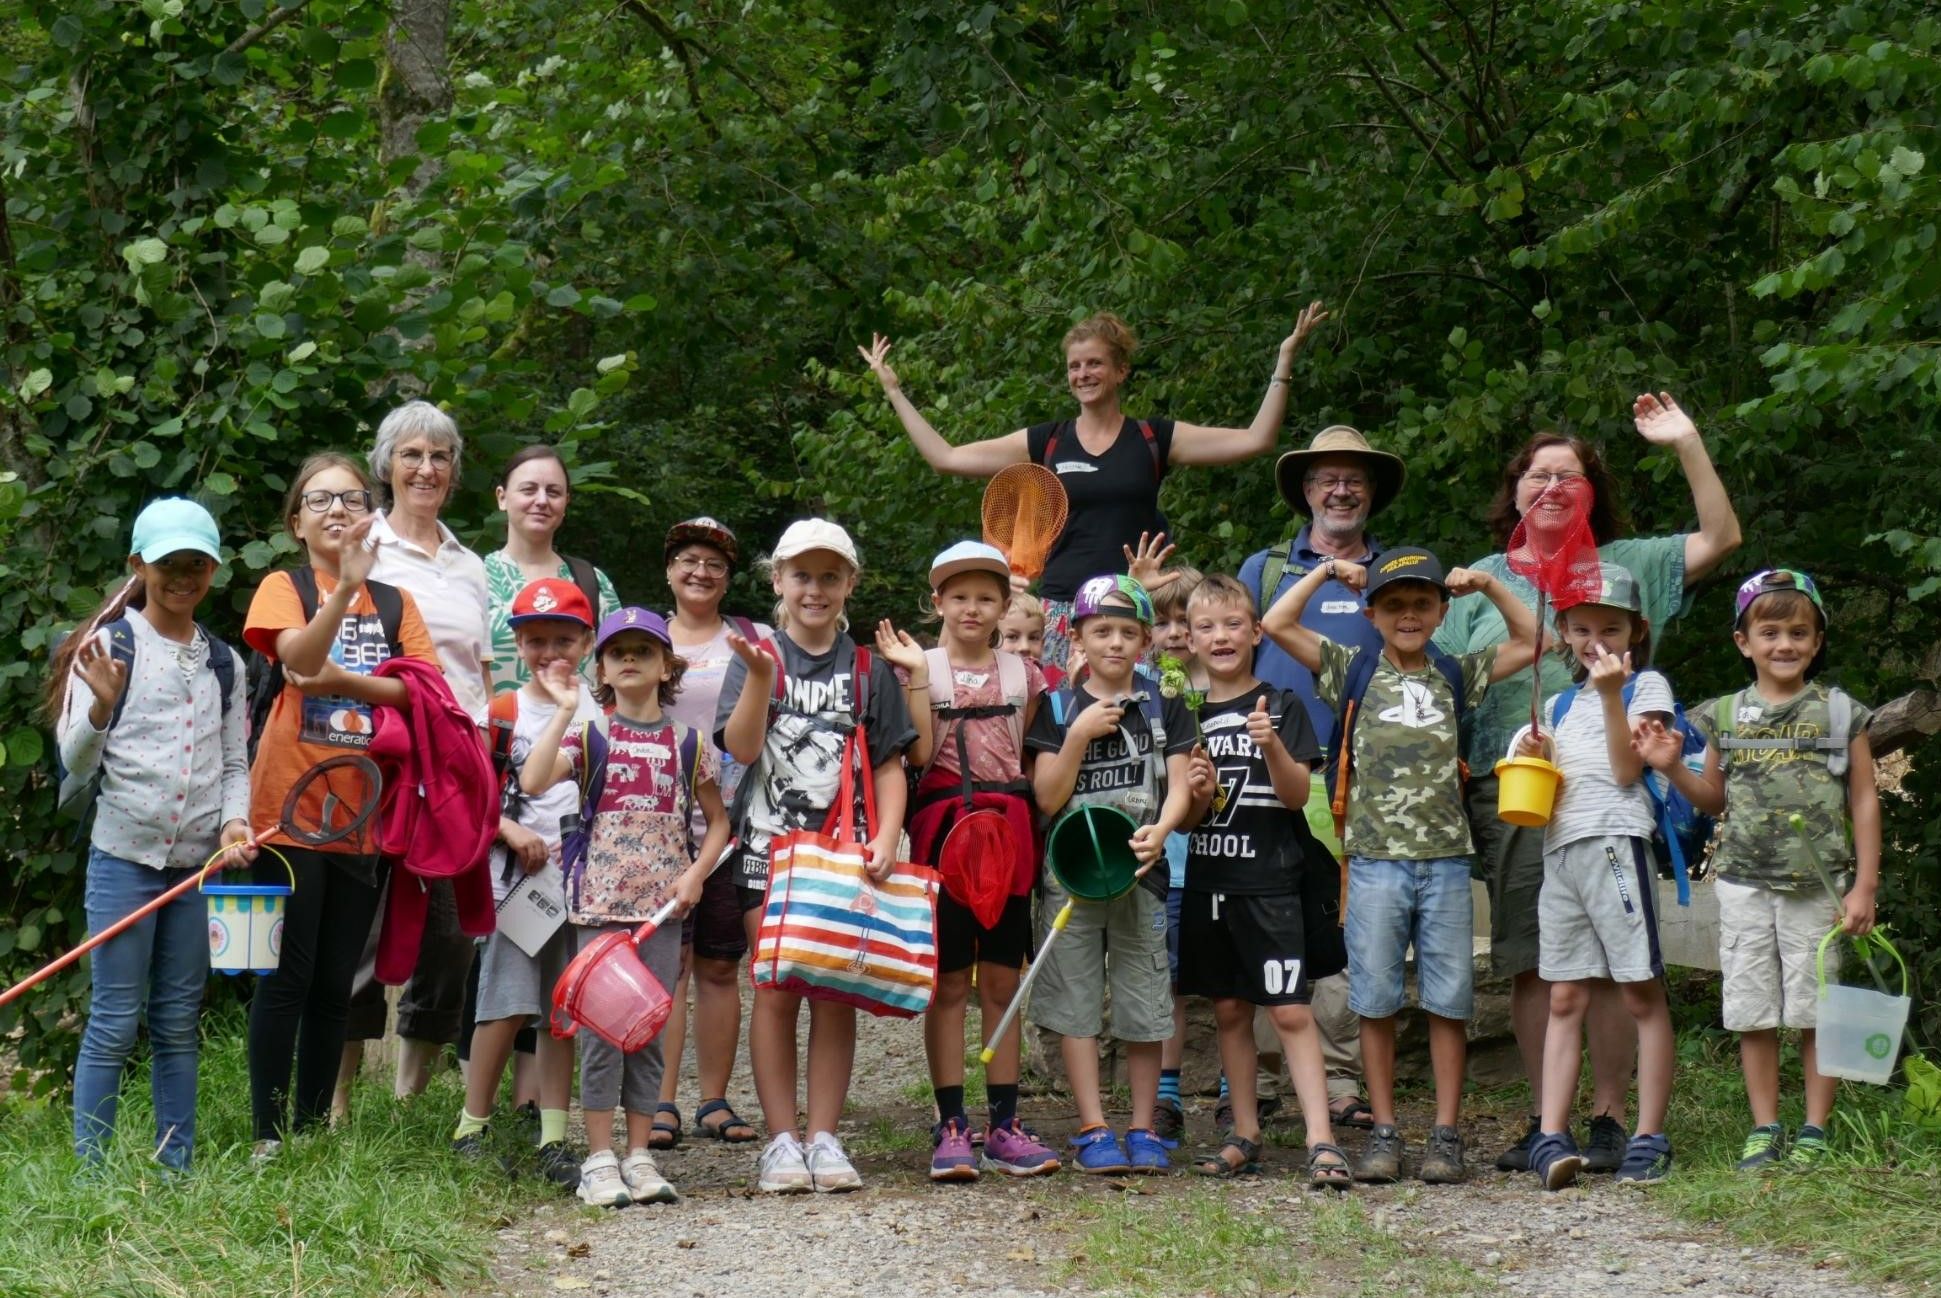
x,y
1526,791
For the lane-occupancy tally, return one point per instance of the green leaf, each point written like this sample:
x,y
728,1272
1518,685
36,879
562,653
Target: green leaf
x,y
313,259
145,252
563,295
36,382
357,74
219,484
145,455
24,746
66,31
303,351
606,363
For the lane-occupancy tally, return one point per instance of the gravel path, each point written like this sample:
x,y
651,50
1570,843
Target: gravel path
x,y
1020,1239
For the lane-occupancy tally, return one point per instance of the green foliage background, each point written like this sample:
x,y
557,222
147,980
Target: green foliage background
x,y
653,233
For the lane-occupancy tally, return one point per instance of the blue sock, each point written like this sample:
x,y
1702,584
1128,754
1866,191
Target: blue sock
x,y
1169,1086
1223,1086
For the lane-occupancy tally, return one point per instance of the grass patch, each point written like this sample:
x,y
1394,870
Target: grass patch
x,y
1208,1241
375,1208
886,1136
1876,1203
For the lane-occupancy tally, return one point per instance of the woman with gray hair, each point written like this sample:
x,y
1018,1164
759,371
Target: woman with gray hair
x,y
415,458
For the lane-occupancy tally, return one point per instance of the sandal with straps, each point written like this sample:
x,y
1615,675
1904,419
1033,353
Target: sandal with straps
x,y
732,1122
1220,1167
665,1135
1328,1175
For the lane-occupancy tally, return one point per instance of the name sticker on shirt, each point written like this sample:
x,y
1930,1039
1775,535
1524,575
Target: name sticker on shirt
x,y
1340,606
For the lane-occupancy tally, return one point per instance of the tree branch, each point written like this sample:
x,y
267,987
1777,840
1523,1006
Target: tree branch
x,y
674,41
1904,721
276,19
1435,65
1415,127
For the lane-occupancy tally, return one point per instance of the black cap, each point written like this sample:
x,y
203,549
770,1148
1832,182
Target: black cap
x,y
1406,564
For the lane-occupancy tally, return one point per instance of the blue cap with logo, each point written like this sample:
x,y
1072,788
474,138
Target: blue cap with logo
x,y
632,618
171,525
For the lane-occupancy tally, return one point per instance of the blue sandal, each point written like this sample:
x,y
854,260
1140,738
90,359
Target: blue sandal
x,y
665,1135
722,1130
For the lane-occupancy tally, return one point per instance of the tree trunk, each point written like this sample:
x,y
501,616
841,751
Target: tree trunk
x,y
1905,721
416,87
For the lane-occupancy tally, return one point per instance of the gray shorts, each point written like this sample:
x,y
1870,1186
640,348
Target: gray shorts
x,y
609,1079
514,985
1599,912
1767,944
1069,995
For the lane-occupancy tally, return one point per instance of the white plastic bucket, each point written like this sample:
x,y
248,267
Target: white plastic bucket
x,y
1859,1034
246,924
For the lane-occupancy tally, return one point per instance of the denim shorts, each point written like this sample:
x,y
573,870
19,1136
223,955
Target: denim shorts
x,y
1393,905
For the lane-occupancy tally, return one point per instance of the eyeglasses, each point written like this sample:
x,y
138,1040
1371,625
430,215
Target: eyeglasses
x,y
354,502
1354,486
416,459
713,567
1546,477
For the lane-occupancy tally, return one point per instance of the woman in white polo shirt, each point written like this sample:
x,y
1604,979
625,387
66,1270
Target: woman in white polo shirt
x,y
416,458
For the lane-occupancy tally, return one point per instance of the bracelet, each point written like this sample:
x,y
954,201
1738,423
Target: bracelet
x,y
914,688
1288,382
1331,570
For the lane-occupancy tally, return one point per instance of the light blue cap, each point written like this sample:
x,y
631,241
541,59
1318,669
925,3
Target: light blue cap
x,y
171,525
969,556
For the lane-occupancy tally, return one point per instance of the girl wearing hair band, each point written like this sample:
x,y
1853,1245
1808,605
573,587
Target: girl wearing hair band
x,y
1110,464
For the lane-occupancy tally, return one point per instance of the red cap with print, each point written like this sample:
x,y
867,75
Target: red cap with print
x,y
551,597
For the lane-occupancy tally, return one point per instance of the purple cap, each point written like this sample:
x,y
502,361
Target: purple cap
x,y
632,618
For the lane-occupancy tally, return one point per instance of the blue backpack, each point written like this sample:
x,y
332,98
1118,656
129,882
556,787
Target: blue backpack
x,y
1681,830
1341,739
76,797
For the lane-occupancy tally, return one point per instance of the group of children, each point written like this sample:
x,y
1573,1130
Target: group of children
x,y
624,805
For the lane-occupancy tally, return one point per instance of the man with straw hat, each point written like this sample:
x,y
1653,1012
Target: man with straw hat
x,y
1338,483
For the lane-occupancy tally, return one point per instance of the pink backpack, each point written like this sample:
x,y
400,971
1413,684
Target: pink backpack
x,y
441,801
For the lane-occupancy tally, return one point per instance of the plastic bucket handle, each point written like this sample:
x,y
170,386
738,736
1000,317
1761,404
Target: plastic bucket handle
x,y
1865,942
234,889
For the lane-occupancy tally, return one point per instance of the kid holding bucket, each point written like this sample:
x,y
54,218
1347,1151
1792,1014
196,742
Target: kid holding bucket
x,y
972,816
1787,746
1597,915
639,782
1113,758
551,621
1397,777
137,697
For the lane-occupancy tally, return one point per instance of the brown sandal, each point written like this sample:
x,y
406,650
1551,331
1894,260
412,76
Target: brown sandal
x,y
1220,1167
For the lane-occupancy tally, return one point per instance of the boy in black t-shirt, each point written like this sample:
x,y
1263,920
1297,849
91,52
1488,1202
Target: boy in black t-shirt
x,y
1258,913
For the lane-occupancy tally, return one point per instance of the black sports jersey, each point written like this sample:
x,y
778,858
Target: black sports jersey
x,y
1252,844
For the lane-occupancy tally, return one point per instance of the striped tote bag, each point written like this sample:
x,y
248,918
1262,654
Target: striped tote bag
x,y
829,931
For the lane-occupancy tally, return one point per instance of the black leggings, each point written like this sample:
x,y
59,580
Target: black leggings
x,y
300,1008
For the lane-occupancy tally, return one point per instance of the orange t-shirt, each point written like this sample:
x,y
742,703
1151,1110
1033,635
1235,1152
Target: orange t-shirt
x,y
302,730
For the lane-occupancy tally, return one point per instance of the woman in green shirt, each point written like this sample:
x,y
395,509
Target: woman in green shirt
x,y
534,493
1666,568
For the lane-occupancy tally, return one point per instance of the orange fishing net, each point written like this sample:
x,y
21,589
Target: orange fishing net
x,y
1024,511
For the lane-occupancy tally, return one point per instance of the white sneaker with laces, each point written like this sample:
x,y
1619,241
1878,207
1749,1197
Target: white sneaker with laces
x,y
783,1169
644,1181
601,1183
829,1167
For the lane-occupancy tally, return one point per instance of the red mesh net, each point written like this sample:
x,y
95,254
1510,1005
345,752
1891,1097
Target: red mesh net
x,y
1554,549
975,865
1024,511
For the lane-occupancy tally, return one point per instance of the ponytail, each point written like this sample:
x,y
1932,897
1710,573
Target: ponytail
x,y
60,665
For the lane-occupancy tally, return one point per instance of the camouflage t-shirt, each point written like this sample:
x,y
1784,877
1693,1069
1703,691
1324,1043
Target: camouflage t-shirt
x,y
1405,791
1763,787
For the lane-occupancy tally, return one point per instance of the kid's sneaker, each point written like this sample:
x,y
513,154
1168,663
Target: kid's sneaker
x,y
601,1183
1646,1158
784,1170
1555,1159
1517,1157
1809,1148
558,1165
953,1158
644,1182
830,1170
1147,1153
1762,1148
1443,1164
1381,1157
1607,1145
1099,1151
1012,1150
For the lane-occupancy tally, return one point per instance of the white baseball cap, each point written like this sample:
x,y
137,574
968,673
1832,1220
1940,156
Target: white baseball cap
x,y
806,534
969,556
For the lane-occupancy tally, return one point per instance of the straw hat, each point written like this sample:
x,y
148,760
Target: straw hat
x,y
1339,439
